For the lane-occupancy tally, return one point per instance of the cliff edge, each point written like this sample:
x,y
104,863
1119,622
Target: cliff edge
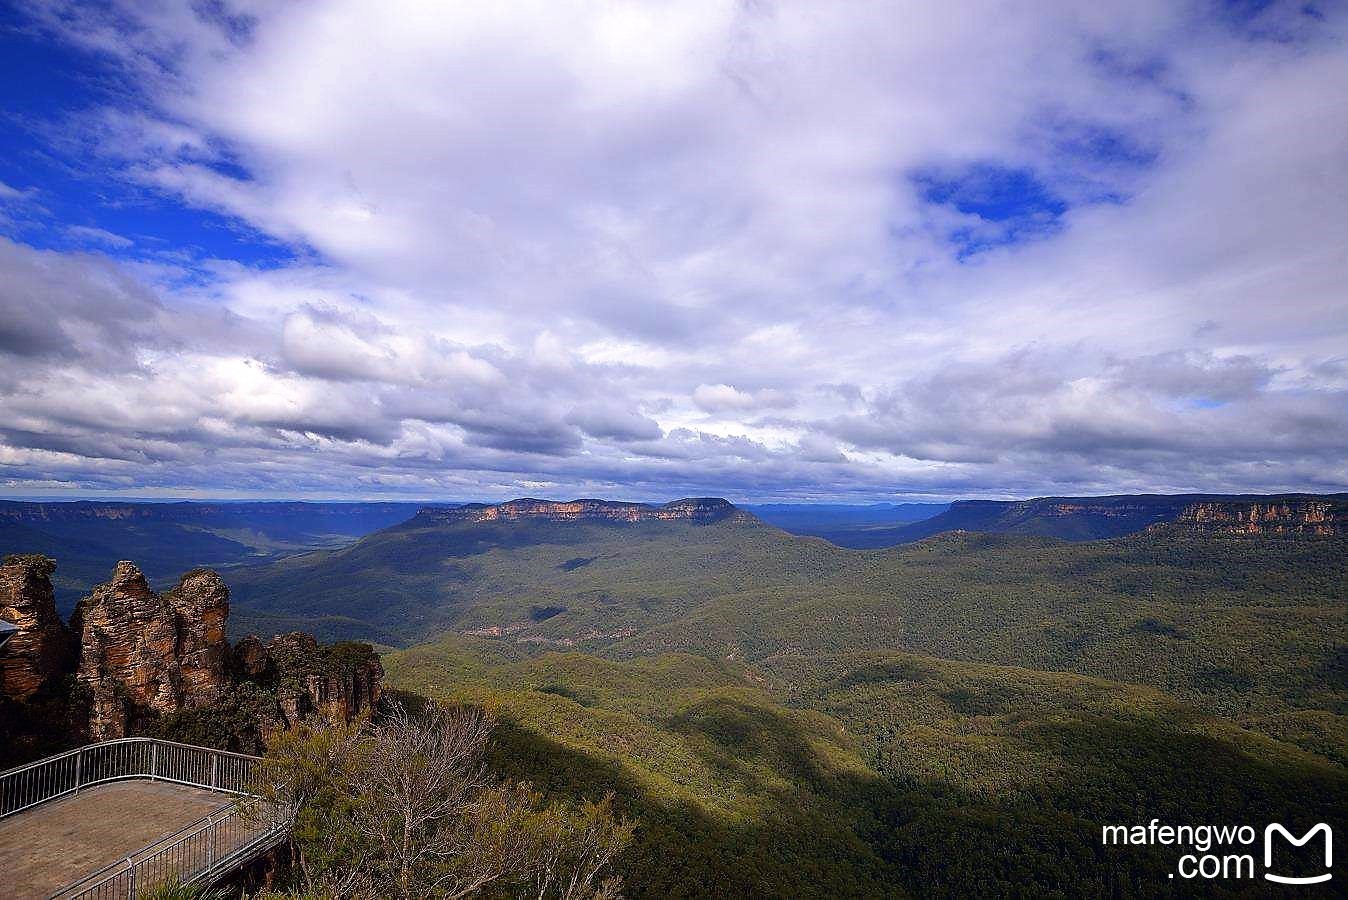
x,y
697,510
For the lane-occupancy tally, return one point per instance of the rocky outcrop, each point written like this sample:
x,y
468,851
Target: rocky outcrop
x,y
1066,508
1293,516
336,683
149,663
142,653
39,653
699,510
127,642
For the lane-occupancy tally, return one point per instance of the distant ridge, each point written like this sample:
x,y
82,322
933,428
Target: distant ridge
x,y
856,527
1094,518
698,510
89,537
193,511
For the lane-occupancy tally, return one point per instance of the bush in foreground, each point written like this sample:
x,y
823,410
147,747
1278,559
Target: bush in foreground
x,y
408,807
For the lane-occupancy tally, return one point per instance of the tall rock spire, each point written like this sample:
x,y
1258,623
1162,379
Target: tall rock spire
x,y
145,653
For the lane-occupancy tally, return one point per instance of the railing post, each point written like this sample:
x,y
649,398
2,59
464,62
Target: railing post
x,y
130,880
79,769
215,765
154,760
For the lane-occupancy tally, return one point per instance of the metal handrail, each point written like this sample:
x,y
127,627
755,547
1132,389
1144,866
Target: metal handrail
x,y
208,847
26,786
131,740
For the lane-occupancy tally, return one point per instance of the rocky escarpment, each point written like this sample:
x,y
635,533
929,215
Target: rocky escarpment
x,y
1293,515
40,652
141,662
336,682
1057,509
289,680
200,605
698,510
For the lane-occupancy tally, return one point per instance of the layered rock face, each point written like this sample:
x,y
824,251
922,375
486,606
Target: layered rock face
x,y
40,652
700,510
145,653
1308,516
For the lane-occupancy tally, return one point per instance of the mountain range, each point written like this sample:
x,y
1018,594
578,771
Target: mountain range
x,y
88,537
1203,606
952,715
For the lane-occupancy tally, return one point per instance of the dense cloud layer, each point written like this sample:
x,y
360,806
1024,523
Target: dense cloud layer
x,y
741,248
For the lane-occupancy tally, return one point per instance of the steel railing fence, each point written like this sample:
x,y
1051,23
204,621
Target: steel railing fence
x,y
74,770
209,846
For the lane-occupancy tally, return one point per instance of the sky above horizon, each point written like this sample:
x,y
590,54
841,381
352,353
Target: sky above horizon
x,y
763,250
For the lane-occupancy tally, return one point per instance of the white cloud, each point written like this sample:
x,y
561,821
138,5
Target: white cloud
x,y
725,398
12,193
682,246
99,236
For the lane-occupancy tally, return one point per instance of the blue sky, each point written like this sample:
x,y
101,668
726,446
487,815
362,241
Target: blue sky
x,y
770,250
84,202
1009,205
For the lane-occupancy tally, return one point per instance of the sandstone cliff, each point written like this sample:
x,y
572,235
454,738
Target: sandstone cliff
x,y
200,605
1296,516
40,652
699,510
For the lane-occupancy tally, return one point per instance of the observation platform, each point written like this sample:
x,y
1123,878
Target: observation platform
x,y
116,819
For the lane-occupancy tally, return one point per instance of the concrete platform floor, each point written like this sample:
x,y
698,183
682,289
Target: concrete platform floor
x,y
45,848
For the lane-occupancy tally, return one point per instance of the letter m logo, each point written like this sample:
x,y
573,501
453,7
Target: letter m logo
x,y
1302,841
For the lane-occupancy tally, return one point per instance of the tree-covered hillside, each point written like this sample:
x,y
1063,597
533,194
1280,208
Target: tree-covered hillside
x,y
871,774
1242,625
736,795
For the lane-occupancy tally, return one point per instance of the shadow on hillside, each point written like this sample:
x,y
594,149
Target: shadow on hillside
x,y
740,739
802,848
